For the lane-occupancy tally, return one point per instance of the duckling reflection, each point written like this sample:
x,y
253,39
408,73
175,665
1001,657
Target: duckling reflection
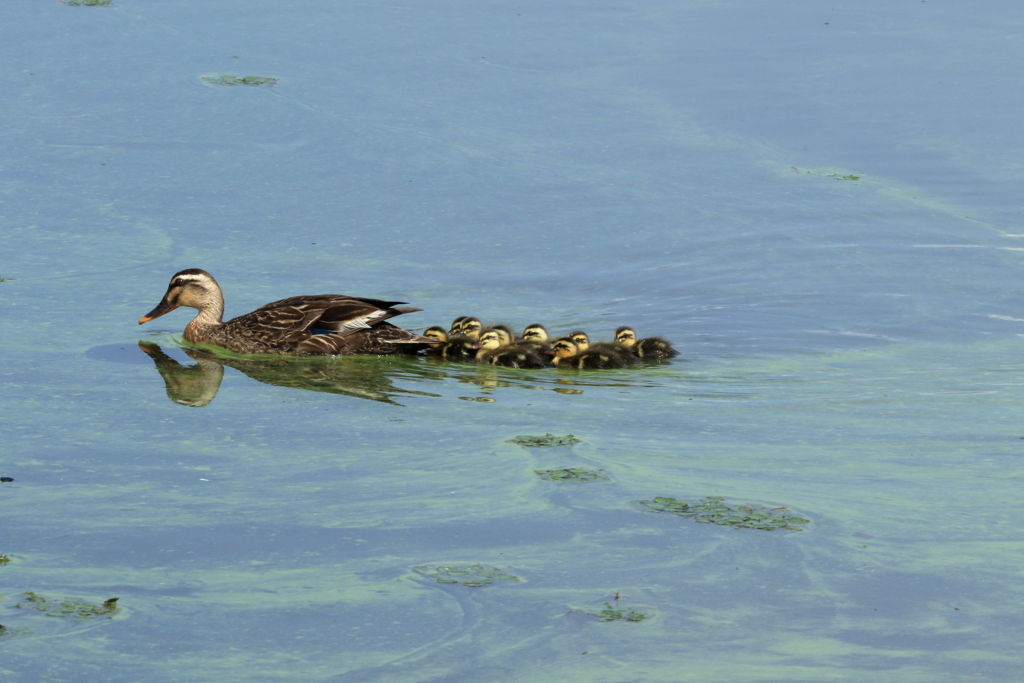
x,y
197,385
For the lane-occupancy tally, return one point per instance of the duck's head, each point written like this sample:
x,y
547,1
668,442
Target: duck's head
x,y
471,328
193,288
535,333
456,327
563,348
436,332
506,334
581,339
625,336
489,340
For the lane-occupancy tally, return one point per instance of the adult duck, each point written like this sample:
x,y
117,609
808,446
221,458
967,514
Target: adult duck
x,y
317,325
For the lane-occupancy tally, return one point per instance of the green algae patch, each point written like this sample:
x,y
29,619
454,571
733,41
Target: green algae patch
x,y
619,613
712,510
88,3
571,474
6,632
472,575
546,440
4,559
74,609
231,79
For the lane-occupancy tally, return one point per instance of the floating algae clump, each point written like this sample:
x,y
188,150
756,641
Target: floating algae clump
x,y
4,559
571,474
712,510
78,611
231,79
473,575
546,440
610,613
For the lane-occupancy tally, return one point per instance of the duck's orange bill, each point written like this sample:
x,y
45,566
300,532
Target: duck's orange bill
x,y
162,307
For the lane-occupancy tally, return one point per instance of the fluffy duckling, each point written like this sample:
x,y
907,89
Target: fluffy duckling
x,y
457,346
582,342
471,328
436,332
563,352
518,356
494,350
580,339
567,354
535,338
506,334
535,333
487,345
648,347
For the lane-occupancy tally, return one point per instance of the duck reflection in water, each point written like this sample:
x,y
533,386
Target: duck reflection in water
x,y
197,385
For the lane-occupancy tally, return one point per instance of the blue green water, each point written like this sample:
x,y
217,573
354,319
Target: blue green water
x,y
818,205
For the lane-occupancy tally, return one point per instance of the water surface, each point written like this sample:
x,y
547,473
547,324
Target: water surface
x,y
817,205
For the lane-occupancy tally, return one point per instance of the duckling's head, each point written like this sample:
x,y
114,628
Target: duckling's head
x,y
471,328
456,327
505,333
581,339
436,332
625,336
489,340
193,288
563,348
535,332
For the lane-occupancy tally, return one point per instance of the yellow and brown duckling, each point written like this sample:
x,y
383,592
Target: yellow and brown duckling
x,y
535,338
471,327
580,339
508,337
441,335
535,333
566,354
648,347
582,342
493,350
456,327
315,325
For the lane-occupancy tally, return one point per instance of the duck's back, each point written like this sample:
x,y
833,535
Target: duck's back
x,y
321,324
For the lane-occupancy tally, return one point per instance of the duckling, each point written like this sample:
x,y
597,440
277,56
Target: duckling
x,y
580,339
648,347
567,354
494,350
456,327
600,356
582,342
506,334
535,333
487,345
471,328
535,338
459,348
436,332
518,356
563,351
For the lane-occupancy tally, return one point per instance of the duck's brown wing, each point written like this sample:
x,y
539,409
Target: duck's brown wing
x,y
333,313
